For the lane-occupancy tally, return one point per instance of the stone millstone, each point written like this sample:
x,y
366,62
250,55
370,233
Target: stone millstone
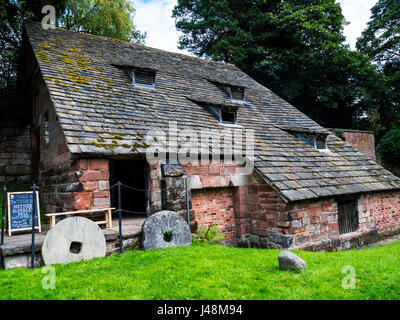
x,y
73,239
165,229
289,261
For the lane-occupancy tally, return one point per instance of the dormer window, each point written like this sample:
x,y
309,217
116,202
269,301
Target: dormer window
x,y
141,78
224,114
317,141
234,93
144,78
237,93
228,116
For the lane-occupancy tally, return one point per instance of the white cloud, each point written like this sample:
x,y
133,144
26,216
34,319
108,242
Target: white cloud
x,y
154,16
358,13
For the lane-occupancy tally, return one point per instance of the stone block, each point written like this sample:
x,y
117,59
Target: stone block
x,y
101,202
104,185
288,261
98,164
172,170
21,260
194,182
239,180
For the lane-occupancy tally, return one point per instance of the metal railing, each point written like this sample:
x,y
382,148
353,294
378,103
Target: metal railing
x,y
46,190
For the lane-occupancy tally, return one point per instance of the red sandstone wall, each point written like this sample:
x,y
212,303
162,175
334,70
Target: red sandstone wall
x,y
266,209
94,175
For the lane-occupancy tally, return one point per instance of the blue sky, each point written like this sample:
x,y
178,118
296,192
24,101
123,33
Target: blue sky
x,y
154,16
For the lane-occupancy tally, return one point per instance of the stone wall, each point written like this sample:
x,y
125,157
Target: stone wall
x,y
83,185
15,152
313,225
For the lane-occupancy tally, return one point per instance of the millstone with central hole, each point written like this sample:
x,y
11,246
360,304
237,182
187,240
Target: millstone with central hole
x,y
73,239
165,229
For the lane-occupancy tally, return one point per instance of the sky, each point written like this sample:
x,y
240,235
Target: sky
x,y
154,16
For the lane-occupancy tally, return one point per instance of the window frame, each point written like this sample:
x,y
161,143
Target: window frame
x,y
131,72
312,143
237,100
216,111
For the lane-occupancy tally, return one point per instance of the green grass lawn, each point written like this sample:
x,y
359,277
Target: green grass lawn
x,y
213,272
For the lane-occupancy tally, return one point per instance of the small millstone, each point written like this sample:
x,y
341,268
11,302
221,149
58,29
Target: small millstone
x,y
288,261
165,229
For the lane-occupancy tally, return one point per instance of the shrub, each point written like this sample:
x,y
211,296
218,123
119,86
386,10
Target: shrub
x,y
210,234
389,147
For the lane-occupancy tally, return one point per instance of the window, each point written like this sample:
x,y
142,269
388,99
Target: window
x,y
232,92
347,216
228,116
224,114
145,78
237,93
317,141
320,142
141,78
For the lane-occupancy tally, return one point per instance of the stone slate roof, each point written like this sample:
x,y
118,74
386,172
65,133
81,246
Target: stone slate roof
x,y
102,113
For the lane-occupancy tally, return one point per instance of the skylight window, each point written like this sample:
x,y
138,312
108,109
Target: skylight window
x,y
317,141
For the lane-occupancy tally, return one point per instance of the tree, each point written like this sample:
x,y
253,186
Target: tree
x,y
381,42
294,47
389,147
12,15
108,18
381,39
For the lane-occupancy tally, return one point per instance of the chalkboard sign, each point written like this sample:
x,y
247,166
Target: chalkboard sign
x,y
20,211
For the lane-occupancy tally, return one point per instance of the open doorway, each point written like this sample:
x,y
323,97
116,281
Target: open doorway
x,y
133,173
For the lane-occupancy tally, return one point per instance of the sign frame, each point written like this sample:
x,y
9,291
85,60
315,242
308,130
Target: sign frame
x,y
38,227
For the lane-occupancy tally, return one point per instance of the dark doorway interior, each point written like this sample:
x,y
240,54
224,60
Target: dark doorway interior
x,y
347,216
133,173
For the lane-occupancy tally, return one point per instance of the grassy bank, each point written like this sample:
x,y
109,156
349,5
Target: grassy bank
x,y
214,272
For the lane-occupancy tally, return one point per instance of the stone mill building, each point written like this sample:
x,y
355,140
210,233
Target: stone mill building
x,y
94,100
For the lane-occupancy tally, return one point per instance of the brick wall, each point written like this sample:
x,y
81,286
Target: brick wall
x,y
386,210
215,205
219,194
363,141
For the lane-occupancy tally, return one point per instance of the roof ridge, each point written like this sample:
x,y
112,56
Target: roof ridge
x,y
141,45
